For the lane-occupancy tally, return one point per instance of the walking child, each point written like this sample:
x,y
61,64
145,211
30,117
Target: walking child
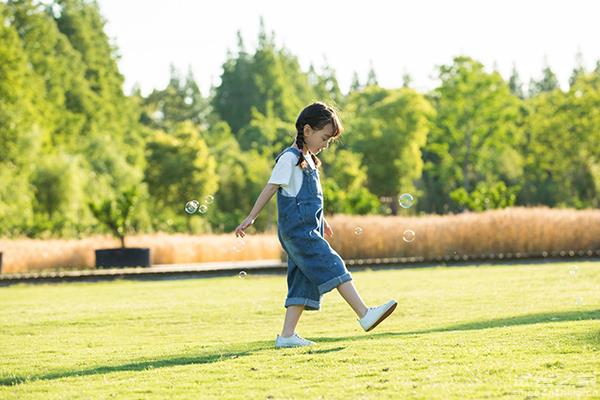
x,y
314,268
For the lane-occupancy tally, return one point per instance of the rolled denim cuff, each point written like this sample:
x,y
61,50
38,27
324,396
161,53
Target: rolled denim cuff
x,y
308,304
333,283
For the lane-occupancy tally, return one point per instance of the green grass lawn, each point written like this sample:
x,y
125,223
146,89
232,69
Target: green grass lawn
x,y
518,331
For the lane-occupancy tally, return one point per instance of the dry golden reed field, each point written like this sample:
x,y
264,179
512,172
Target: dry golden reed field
x,y
507,233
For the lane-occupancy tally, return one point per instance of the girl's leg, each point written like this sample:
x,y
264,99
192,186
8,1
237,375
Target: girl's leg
x,y
292,315
349,293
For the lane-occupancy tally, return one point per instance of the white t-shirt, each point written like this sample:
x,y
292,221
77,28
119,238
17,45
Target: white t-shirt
x,y
288,175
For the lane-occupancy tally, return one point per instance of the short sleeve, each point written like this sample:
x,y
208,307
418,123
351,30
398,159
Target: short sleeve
x,y
282,172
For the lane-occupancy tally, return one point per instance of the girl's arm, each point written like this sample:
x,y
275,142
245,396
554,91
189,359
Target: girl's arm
x,y
327,228
264,197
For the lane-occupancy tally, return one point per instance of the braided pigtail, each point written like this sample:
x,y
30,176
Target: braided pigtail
x,y
300,143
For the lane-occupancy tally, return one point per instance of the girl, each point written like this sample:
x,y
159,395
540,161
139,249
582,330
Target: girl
x,y
314,268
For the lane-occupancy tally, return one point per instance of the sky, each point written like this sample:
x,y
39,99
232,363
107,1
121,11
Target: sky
x,y
395,37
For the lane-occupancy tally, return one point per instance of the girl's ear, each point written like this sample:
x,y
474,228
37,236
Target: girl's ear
x,y
307,130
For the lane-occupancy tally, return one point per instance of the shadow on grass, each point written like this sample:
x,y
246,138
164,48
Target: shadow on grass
x,y
255,347
143,365
493,323
323,351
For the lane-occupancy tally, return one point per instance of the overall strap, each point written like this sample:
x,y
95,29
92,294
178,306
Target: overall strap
x,y
292,149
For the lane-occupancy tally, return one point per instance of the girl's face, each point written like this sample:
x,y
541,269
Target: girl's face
x,y
317,140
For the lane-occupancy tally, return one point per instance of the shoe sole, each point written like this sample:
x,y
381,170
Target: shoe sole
x,y
384,316
292,346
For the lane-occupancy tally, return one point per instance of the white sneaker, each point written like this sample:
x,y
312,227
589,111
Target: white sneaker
x,y
375,315
292,341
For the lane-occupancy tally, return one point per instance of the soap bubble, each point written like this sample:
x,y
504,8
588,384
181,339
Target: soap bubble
x,y
579,300
406,200
191,206
358,231
209,199
574,269
202,209
408,236
242,274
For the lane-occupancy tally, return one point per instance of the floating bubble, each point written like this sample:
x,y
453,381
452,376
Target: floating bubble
x,y
202,209
408,236
406,200
191,206
573,270
578,93
358,230
242,274
579,300
209,199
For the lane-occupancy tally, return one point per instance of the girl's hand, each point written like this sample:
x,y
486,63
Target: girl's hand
x,y
239,231
328,229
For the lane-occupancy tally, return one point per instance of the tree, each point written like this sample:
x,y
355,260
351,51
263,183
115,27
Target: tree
x,y
266,133
355,85
326,85
64,100
19,128
547,83
389,128
344,184
115,213
269,76
514,83
562,167
180,101
372,76
406,80
579,68
58,186
180,168
474,137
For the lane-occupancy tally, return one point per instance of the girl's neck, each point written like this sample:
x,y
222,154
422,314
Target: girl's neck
x,y
304,150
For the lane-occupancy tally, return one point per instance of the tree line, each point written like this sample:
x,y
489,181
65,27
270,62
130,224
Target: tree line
x,y
70,136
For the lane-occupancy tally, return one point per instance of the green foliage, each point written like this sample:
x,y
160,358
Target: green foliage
x,y
180,101
244,175
475,136
270,77
16,200
486,196
69,135
266,133
344,184
562,156
326,86
389,128
115,213
180,168
547,83
58,190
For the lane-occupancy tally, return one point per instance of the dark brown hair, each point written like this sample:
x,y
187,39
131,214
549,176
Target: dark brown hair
x,y
316,115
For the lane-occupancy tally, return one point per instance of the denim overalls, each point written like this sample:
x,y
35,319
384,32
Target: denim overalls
x,y
314,268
